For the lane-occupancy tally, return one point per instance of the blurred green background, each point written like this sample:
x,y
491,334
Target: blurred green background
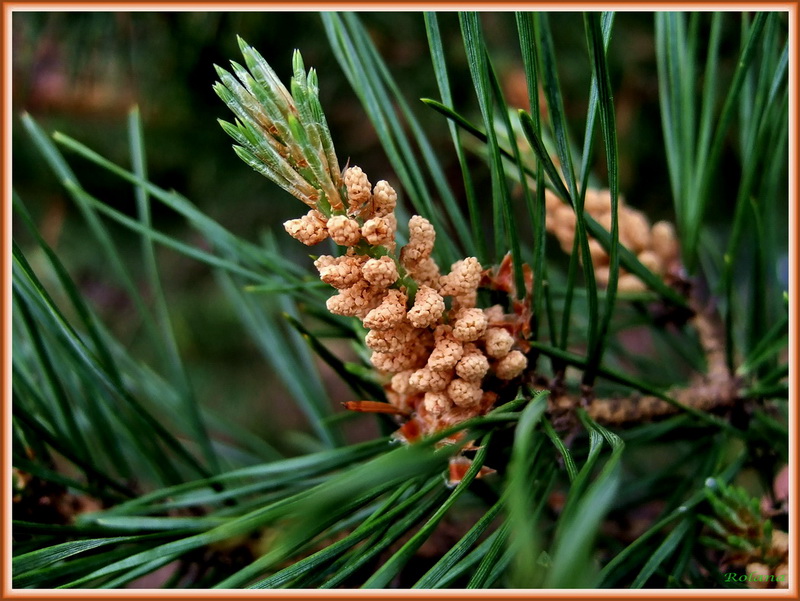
x,y
81,73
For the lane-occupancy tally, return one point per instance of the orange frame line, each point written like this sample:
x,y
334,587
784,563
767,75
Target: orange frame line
x,y
6,592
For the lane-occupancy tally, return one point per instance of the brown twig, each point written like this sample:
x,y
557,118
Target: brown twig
x,y
716,389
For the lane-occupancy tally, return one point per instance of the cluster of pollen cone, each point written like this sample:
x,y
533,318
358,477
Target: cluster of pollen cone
x,y
656,245
435,347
